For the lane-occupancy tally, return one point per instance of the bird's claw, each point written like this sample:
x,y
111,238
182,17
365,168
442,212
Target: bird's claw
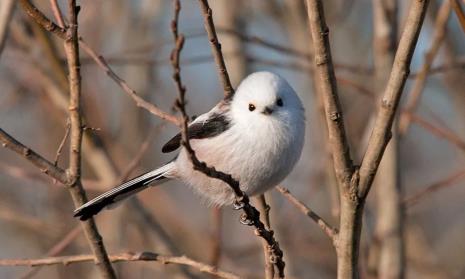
x,y
245,220
238,205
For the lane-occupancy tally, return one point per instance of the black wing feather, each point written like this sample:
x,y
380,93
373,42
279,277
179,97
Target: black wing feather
x,y
213,126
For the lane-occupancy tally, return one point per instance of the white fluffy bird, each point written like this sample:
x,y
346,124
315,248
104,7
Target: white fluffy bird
x,y
257,137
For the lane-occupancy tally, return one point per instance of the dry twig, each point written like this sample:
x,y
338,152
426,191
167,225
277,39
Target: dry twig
x,y
440,27
251,215
122,257
76,190
216,49
325,226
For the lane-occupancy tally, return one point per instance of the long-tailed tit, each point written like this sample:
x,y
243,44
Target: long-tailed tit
x,y
257,137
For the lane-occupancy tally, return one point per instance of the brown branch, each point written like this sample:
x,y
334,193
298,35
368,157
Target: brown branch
x,y
415,198
216,49
327,81
6,14
325,226
385,117
440,27
251,215
57,13
62,143
122,83
43,164
264,210
71,45
440,132
49,25
42,20
459,12
56,249
122,257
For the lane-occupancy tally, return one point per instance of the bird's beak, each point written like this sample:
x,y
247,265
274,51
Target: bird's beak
x,y
267,111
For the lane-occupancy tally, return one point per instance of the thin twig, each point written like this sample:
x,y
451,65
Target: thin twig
x,y
385,117
56,249
440,27
251,214
325,226
415,198
216,49
459,12
122,257
49,25
139,155
42,20
43,164
57,13
325,72
62,143
122,83
71,45
7,8
264,210
441,132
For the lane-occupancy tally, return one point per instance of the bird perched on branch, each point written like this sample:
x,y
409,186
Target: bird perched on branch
x,y
256,136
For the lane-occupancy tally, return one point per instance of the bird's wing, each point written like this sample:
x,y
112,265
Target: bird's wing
x,y
207,125
112,197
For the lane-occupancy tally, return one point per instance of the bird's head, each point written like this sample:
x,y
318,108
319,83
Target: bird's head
x,y
264,96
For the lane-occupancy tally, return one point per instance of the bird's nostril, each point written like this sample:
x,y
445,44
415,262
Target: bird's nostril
x,y
267,111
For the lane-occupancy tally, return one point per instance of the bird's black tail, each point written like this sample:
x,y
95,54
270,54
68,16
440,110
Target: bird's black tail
x,y
111,198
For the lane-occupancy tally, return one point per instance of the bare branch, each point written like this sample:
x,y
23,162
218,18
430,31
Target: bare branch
x,y
42,20
62,143
333,114
440,27
382,128
122,257
7,8
459,12
216,49
122,83
264,210
251,215
43,164
325,226
71,45
57,13
415,198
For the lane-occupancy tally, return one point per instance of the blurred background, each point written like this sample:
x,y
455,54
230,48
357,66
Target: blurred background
x,y
123,140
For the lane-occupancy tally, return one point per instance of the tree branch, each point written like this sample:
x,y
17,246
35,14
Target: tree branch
x,y
122,257
333,114
400,71
71,45
440,27
251,215
43,164
216,49
325,226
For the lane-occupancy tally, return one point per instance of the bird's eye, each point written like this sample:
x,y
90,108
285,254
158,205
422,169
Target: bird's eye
x,y
251,107
279,102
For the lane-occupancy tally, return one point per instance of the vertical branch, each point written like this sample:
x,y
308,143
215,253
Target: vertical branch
x,y
71,45
386,256
382,129
251,216
439,33
327,82
264,210
7,8
216,49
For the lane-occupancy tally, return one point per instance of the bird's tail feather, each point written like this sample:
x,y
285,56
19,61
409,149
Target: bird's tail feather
x,y
112,198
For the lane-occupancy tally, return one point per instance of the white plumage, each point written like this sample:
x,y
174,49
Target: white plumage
x,y
257,137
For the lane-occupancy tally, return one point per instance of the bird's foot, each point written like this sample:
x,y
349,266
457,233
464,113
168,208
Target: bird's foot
x,y
245,220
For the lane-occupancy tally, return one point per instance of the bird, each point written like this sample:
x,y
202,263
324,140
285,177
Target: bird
x,y
256,136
